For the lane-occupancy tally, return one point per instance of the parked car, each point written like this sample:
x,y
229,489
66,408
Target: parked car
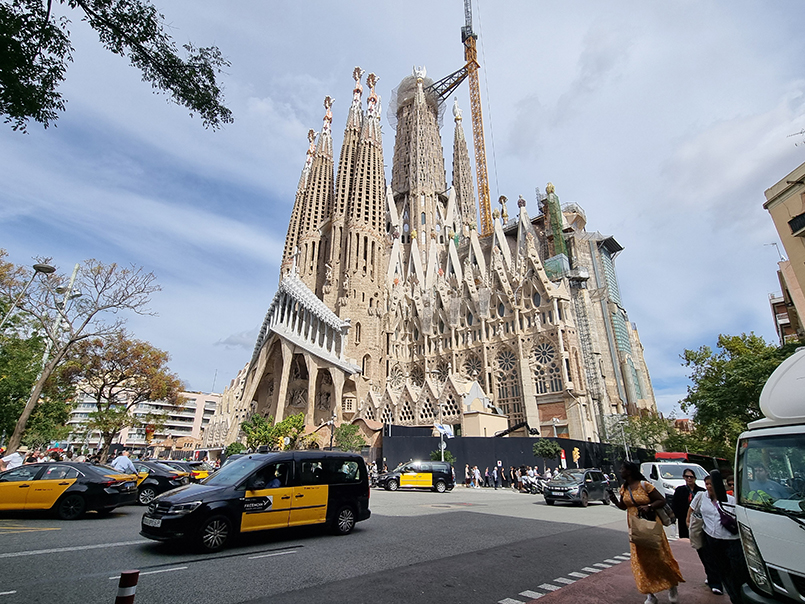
x,y
68,489
434,475
578,486
154,478
198,470
264,491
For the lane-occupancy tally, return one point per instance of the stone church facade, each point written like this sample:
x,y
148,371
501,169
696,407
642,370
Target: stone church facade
x,y
392,306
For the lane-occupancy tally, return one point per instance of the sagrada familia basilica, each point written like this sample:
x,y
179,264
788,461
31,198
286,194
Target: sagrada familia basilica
x,y
392,307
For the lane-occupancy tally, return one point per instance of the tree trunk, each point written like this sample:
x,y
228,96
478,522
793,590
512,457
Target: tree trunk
x,y
19,429
107,444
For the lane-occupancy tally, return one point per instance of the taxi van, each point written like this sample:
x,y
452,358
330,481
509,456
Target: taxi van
x,y
435,475
66,488
263,491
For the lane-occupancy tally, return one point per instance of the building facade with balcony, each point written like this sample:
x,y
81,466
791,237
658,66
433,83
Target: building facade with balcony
x,y
785,202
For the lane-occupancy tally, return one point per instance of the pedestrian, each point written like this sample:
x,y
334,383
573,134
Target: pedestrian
x,y
548,474
724,545
487,477
680,502
476,475
501,475
654,568
123,464
15,459
467,478
513,477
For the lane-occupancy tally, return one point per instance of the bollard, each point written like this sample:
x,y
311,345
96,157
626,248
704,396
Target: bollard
x,y
127,586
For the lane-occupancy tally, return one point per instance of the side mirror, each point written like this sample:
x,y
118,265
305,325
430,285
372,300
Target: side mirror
x,y
255,483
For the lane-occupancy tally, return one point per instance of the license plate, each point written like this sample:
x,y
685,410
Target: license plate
x,y
155,522
128,485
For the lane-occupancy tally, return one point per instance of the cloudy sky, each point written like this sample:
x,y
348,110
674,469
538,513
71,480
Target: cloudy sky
x,y
664,121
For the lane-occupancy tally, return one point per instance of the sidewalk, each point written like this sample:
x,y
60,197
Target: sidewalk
x,y
616,585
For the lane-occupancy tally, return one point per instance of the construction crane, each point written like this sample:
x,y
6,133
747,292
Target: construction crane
x,y
444,87
468,38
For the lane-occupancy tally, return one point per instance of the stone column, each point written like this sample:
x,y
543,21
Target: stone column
x,y
313,374
287,358
338,392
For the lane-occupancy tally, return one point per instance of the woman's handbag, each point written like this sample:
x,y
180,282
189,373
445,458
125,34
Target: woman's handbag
x,y
696,531
666,515
645,533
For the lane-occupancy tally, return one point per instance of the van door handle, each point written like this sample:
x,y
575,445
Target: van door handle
x,y
63,483
286,497
24,486
300,495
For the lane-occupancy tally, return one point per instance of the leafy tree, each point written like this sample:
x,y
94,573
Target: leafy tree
x,y
119,373
546,449
448,456
35,48
263,431
234,448
726,384
348,437
646,431
259,431
63,319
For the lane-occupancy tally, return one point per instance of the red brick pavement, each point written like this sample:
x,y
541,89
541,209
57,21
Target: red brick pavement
x,y
616,585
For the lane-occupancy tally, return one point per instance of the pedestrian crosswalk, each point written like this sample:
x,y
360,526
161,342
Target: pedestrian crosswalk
x,y
560,582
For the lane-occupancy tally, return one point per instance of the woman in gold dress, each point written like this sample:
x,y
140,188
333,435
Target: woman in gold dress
x,y
654,570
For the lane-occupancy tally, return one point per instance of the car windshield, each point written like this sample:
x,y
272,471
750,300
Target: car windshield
x,y
675,471
569,476
166,468
771,474
234,472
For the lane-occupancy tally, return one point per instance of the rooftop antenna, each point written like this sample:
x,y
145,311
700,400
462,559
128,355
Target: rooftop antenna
x,y
776,247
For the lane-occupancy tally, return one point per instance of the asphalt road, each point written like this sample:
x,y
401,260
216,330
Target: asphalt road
x,y
469,545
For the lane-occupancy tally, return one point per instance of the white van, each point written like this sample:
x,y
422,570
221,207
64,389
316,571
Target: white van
x,y
666,476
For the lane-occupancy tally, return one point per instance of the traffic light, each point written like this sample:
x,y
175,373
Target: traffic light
x,y
576,456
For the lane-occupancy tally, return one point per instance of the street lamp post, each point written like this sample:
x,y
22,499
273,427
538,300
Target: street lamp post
x,y
555,421
45,269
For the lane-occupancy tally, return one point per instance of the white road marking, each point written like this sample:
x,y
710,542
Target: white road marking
x,y
563,580
156,572
76,548
7,593
510,601
549,587
627,554
578,575
611,561
621,557
269,555
602,565
531,594
590,569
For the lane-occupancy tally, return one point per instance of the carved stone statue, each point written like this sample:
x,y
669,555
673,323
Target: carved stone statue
x,y
357,74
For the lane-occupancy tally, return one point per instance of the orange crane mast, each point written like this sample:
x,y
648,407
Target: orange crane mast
x,y
468,37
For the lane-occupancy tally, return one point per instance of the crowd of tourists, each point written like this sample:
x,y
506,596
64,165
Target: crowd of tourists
x,y
499,477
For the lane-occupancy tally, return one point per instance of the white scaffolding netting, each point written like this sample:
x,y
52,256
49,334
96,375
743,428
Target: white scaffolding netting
x,y
404,94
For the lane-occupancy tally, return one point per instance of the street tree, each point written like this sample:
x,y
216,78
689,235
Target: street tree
x,y
118,374
348,437
234,448
67,311
725,392
259,431
646,431
448,456
546,449
36,49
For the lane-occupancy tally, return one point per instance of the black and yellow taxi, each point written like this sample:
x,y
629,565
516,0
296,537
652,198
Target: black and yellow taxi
x,y
263,491
67,488
198,470
154,478
434,475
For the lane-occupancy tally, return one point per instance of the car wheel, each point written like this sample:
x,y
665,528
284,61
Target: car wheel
x,y
549,501
441,487
392,485
71,507
214,533
344,521
584,500
146,495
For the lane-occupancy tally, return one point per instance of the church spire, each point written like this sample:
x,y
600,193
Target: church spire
x,y
462,173
292,238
